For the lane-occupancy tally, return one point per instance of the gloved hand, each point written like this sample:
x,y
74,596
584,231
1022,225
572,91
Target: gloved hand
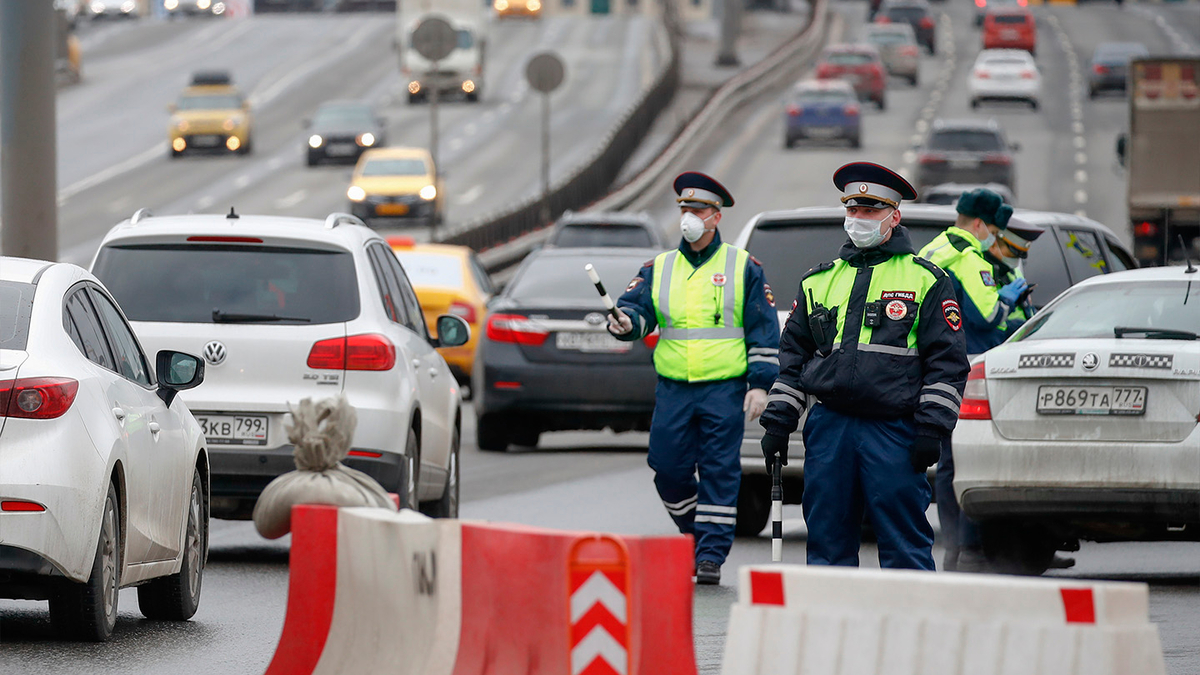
x,y
925,452
1011,293
621,327
755,403
772,446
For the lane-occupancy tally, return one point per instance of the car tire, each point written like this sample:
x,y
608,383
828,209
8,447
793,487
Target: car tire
x,y
881,102
177,597
414,99
1091,93
526,437
753,506
409,488
1033,103
447,506
788,142
88,610
175,154
489,435
473,97
913,80
312,160
856,142
1015,547
974,103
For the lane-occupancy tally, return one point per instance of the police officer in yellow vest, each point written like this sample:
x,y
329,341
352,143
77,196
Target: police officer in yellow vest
x,y
717,352
1013,239
873,351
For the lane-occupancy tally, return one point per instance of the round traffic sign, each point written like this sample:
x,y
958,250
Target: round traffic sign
x,y
434,38
545,72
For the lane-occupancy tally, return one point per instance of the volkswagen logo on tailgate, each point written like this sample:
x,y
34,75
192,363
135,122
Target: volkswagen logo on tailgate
x,y
594,319
214,353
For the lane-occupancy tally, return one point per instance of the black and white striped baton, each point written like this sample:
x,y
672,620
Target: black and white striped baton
x,y
777,510
608,301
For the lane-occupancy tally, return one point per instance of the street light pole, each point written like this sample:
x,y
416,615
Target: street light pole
x,y
28,188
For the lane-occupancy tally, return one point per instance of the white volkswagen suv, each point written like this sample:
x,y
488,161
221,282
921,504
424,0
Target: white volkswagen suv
x,y
288,308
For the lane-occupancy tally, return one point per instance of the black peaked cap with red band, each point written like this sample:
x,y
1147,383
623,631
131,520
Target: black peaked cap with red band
x,y
701,190
869,184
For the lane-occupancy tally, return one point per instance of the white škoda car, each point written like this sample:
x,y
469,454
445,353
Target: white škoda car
x,y
1084,424
103,471
288,308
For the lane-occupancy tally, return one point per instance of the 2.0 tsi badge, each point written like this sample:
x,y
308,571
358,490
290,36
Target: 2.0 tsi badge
x,y
214,353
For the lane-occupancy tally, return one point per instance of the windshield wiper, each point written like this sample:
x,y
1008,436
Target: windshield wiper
x,y
1156,333
221,317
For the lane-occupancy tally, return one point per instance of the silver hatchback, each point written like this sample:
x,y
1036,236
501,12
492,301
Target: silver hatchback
x,y
897,45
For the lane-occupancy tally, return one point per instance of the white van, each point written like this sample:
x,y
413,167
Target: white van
x,y
457,75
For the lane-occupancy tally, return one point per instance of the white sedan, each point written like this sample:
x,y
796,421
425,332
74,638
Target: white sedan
x,y
1084,425
103,473
1005,74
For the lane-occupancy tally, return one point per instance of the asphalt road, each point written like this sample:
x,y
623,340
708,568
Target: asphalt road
x,y
112,128
599,481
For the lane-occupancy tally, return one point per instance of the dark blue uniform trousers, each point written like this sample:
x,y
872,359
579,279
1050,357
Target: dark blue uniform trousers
x,y
697,428
852,464
958,531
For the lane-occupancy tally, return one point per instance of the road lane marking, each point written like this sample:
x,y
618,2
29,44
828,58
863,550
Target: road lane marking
x,y
1081,213
1081,158
291,200
1080,176
113,171
471,195
470,129
1080,197
205,202
242,181
1080,142
1077,127
455,144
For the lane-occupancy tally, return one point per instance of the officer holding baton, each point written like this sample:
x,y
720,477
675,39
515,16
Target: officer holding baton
x,y
717,353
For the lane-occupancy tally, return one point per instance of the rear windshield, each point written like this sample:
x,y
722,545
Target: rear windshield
x,y
244,284
348,115
16,302
909,14
215,102
1004,61
827,96
1095,311
788,251
395,167
431,269
965,139
889,38
576,236
1009,18
848,58
552,277
1119,53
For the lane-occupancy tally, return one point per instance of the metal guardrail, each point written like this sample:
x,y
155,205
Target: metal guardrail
x,y
595,175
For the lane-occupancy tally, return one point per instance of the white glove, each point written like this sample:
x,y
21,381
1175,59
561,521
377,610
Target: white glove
x,y
755,403
621,327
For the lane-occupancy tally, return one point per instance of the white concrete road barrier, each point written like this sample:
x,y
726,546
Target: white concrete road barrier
x,y
797,620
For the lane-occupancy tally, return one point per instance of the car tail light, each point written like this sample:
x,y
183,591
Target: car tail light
x,y
982,74
975,404
510,386
357,352
365,453
1026,74
826,70
1145,229
18,505
1000,160
851,109
931,158
463,310
926,22
651,340
401,242
794,110
516,328
37,398
981,3
1099,69
883,19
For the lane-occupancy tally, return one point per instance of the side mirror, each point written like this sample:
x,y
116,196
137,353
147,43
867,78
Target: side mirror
x,y
1122,142
452,331
177,371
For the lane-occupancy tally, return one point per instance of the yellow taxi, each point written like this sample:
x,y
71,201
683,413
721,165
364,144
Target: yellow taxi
x,y
210,115
395,183
531,9
448,280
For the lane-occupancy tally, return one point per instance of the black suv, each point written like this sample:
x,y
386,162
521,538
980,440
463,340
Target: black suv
x,y
965,151
788,243
343,130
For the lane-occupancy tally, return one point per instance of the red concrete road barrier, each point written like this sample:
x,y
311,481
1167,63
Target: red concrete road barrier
x,y
380,592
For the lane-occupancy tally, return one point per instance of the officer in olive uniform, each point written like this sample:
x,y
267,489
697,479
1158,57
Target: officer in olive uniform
x,y
717,353
873,351
1013,239
959,251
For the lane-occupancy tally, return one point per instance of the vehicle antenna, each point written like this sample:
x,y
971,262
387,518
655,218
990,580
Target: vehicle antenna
x,y
1191,269
232,214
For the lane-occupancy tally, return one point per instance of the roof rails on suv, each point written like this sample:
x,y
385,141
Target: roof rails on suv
x,y
211,77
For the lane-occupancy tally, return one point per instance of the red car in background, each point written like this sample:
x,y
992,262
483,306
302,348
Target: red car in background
x,y
858,64
1010,28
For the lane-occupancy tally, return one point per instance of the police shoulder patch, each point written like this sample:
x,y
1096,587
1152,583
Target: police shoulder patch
x,y
770,294
952,314
633,284
988,280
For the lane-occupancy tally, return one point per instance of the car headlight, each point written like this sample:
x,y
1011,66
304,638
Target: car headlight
x,y
170,5
97,8
468,86
315,141
501,5
366,139
218,8
128,6
414,87
356,194
182,125
203,4
428,193
533,5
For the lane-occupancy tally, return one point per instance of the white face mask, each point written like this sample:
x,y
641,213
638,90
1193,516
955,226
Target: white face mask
x,y
864,232
692,226
1011,263
987,243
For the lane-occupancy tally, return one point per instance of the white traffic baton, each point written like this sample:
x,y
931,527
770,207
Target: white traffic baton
x,y
608,301
777,510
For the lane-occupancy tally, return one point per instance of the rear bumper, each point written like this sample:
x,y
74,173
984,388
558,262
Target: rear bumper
x,y
1165,506
938,174
822,129
1023,89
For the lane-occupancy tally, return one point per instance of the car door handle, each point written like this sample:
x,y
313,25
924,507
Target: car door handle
x,y
119,414
433,372
416,363
154,429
